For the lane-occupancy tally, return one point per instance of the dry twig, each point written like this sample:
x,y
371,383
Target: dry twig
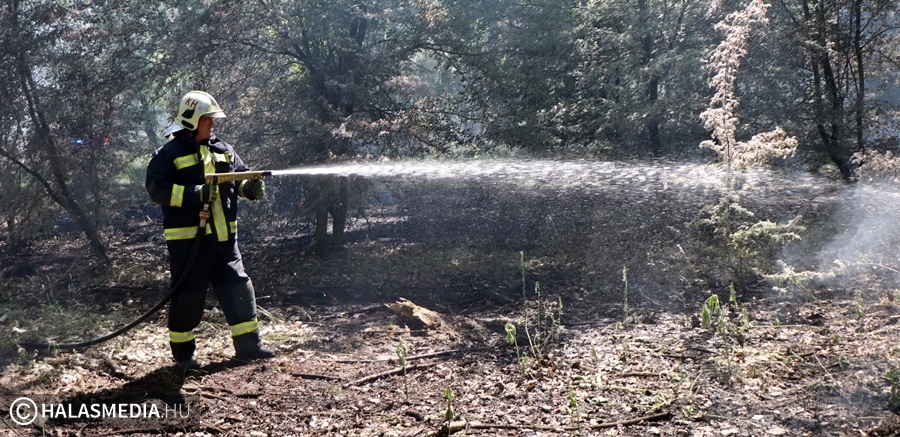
x,y
411,357
377,376
316,376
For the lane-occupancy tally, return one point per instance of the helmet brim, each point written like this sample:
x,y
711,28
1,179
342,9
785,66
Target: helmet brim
x,y
174,127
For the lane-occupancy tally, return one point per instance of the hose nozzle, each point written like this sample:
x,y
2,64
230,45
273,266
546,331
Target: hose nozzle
x,y
221,178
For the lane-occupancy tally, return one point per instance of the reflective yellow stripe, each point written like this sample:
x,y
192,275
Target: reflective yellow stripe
x,y
232,227
220,223
208,166
218,212
181,337
177,196
183,233
244,328
222,157
185,161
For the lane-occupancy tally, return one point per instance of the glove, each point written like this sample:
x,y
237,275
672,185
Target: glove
x,y
253,189
208,193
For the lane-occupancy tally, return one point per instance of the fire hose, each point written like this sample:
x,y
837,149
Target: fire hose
x,y
211,179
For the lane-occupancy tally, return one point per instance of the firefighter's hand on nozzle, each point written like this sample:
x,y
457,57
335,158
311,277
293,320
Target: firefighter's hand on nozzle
x,y
208,193
253,189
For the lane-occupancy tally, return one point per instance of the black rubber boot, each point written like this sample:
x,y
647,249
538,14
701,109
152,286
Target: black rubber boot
x,y
184,355
190,365
249,347
183,350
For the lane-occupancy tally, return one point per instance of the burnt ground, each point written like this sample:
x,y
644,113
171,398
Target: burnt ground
x,y
606,268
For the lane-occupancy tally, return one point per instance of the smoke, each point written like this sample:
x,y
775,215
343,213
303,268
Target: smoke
x,y
863,252
868,235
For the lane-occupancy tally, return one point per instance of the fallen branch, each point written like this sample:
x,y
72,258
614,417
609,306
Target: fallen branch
x,y
830,376
377,376
209,395
630,389
459,425
637,375
316,376
665,415
205,391
411,357
882,330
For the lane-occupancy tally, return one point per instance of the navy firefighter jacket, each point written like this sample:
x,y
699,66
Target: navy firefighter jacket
x,y
174,176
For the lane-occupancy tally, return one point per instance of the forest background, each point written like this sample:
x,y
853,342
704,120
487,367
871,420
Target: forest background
x,y
87,87
648,272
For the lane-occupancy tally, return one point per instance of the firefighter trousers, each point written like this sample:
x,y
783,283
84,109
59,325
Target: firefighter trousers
x,y
218,264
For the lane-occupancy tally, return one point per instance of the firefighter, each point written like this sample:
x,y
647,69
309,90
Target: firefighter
x,y
175,180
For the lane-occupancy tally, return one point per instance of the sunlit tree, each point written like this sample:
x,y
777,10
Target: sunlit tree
x,y
720,118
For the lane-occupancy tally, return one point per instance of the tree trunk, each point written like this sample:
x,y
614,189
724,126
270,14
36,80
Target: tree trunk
x,y
331,196
829,114
57,187
860,73
62,195
652,125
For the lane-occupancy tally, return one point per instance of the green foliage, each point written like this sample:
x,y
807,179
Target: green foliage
x,y
717,316
402,351
733,301
638,64
515,59
67,118
763,238
893,377
449,414
710,308
546,324
789,281
573,402
512,340
304,80
625,294
730,236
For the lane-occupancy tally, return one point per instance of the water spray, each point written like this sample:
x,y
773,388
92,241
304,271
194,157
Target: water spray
x,y
591,176
221,178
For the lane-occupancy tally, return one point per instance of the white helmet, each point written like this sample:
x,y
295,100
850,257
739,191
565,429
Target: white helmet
x,y
194,105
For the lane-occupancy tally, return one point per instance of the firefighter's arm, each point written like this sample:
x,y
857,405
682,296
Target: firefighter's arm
x,y
162,189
